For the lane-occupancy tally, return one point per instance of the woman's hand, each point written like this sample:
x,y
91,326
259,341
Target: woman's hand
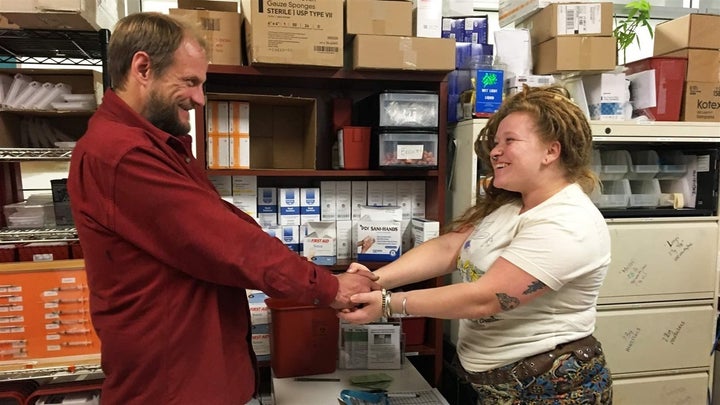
x,y
355,267
367,308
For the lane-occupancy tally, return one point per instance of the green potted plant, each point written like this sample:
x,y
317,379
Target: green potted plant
x,y
625,31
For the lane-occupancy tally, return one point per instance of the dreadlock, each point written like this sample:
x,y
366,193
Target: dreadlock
x,y
556,118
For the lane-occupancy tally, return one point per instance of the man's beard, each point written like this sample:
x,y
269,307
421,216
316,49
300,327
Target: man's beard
x,y
163,114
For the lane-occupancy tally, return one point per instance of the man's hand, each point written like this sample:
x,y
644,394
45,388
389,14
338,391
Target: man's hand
x,y
360,281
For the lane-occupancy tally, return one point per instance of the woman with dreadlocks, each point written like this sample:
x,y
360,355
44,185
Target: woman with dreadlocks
x,y
533,253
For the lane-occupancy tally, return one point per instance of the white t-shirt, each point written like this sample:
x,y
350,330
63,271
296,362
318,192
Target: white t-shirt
x,y
563,242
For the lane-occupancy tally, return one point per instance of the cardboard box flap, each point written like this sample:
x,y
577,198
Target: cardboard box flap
x,y
227,6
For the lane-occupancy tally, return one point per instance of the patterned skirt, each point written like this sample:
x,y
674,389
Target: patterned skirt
x,y
570,381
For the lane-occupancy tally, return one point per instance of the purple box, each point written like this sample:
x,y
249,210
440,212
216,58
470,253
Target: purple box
x,y
476,30
453,28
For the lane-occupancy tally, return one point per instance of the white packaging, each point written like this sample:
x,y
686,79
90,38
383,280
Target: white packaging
x,y
319,243
260,339
424,230
608,96
290,236
244,191
344,242
514,84
405,198
457,8
289,206
389,193
358,198
427,18
328,198
274,231
418,187
513,50
407,236
379,241
309,205
267,206
375,193
369,213
343,202
223,185
259,312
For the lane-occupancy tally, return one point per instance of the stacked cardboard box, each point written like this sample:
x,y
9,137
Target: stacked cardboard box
x,y
219,22
572,37
694,37
380,35
291,33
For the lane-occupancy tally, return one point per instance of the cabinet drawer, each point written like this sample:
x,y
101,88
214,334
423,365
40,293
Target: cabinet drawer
x,y
651,339
661,390
661,262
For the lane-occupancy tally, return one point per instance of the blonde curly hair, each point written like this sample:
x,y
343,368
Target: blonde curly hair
x,y
557,118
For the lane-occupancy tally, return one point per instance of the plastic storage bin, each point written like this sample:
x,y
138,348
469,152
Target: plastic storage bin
x,y
407,109
672,165
644,164
644,193
27,215
407,149
614,164
303,338
612,194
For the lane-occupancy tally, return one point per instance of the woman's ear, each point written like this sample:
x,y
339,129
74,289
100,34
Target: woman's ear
x,y
553,152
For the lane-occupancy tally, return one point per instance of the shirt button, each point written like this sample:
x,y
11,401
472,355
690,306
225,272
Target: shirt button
x,y
187,160
316,301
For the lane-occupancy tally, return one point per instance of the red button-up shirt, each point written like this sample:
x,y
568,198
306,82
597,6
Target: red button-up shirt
x,y
168,262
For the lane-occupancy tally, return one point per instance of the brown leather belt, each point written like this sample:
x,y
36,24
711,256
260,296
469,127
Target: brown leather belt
x,y
584,349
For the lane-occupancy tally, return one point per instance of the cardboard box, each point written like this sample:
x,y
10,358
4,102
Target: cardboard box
x,y
703,65
290,33
378,17
403,53
571,53
77,15
690,31
555,20
701,102
515,11
283,130
219,22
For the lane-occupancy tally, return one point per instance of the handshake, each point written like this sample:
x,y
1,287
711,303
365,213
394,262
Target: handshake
x,y
356,279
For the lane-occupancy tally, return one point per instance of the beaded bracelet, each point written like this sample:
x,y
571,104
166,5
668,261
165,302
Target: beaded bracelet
x,y
383,301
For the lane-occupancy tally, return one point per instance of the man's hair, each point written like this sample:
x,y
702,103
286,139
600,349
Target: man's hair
x,y
158,35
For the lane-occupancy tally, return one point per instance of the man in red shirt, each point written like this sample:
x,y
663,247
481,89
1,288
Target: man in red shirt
x,y
167,260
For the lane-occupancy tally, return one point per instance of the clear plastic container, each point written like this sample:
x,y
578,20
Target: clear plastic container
x,y
408,149
644,193
36,212
614,164
672,165
644,164
612,194
409,109
23,215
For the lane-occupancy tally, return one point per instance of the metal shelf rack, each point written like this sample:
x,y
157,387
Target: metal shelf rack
x,y
59,47
17,235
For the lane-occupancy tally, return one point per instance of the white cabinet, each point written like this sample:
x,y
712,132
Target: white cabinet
x,y
657,308
661,260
